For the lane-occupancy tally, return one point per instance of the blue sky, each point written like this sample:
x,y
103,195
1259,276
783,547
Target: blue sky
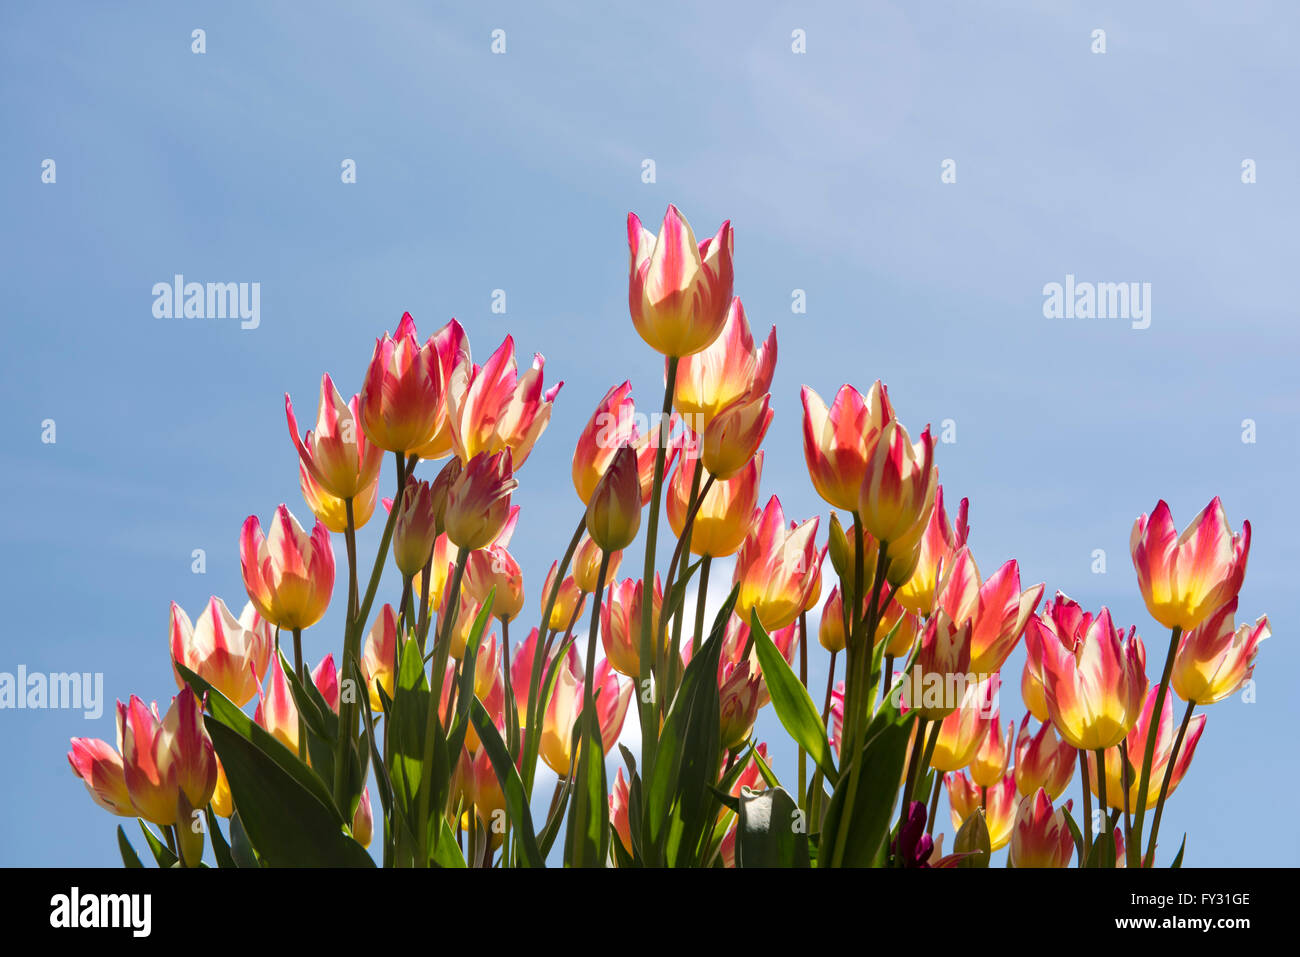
x,y
478,172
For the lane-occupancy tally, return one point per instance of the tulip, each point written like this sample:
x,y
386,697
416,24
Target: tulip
x,y
728,370
904,551
837,716
733,437
492,408
838,441
483,792
999,809
169,766
521,670
569,601
444,558
333,512
289,574
363,821
739,700
326,679
1185,577
612,426
992,761
614,512
997,609
586,564
379,658
1093,680
1031,684
336,454
619,801
830,630
1040,836
723,516
223,803
897,482
478,501
941,664
276,710
99,766
1136,741
492,568
1214,659
938,545
612,698
967,726
228,653
414,530
1043,761
401,401
773,568
620,624
452,346
679,291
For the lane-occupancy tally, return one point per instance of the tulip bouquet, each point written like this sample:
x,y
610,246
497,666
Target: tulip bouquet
x,y
431,705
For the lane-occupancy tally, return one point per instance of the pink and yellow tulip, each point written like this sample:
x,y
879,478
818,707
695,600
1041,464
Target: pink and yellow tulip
x,y
774,567
336,454
228,653
401,403
289,574
1215,659
1040,836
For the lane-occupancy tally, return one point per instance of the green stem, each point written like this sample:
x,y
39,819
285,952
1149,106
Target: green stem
x,y
803,680
670,665
1087,806
1134,850
649,710
909,778
300,670
1168,780
536,709
1101,796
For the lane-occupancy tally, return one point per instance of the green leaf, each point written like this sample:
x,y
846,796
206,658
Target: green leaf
x,y
587,837
511,785
546,840
406,720
1075,833
1178,861
973,840
678,803
289,824
241,848
771,831
445,852
219,846
161,853
879,764
129,857
791,701
224,711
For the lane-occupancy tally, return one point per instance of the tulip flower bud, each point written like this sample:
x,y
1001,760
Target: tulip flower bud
x,y
332,511
100,768
679,290
228,653
838,441
739,700
842,547
478,501
379,658
289,574
1184,578
1040,836
830,631
439,489
586,564
992,759
773,568
999,810
620,624
1215,659
494,570
414,529
363,821
402,399
569,601
897,482
1043,761
733,437
614,512
336,454
619,802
